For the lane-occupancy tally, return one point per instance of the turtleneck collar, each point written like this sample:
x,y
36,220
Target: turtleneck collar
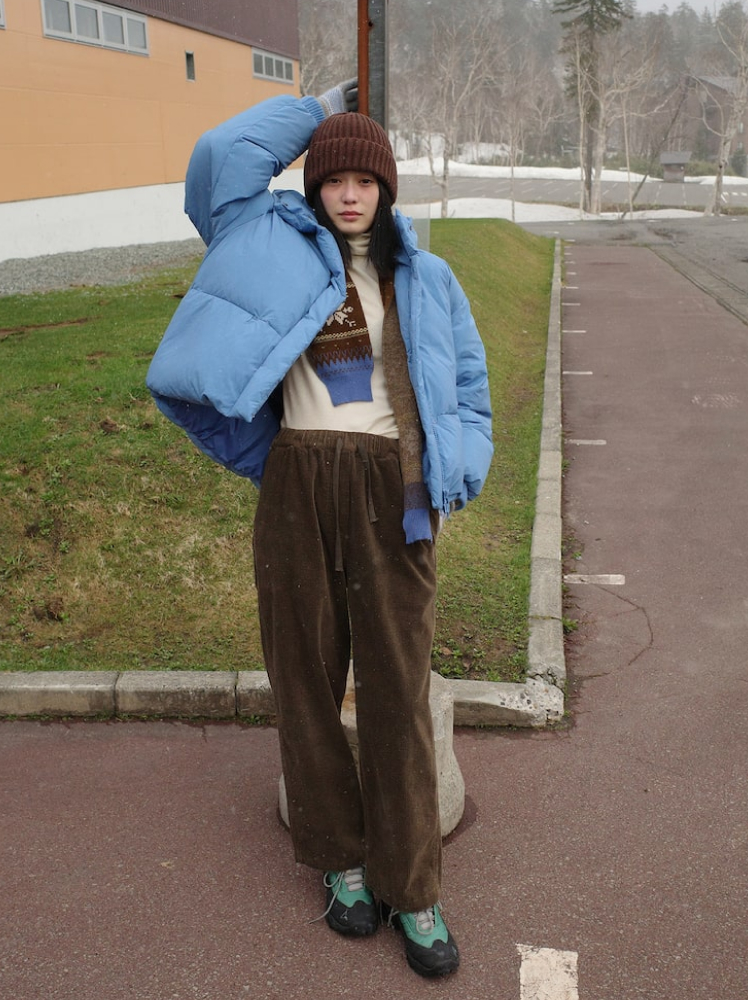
x,y
359,244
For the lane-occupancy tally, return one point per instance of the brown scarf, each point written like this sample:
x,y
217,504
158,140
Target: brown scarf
x,y
416,520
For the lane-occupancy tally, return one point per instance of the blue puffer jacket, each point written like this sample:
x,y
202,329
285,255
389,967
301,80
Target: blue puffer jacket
x,y
270,278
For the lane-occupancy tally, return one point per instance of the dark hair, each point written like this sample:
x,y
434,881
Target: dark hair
x,y
385,241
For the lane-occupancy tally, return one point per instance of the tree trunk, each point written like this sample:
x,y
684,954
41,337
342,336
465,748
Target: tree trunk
x,y
597,175
444,182
628,159
714,205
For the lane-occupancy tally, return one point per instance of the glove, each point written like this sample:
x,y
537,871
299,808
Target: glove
x,y
343,97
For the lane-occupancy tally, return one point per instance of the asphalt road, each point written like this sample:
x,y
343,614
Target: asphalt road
x,y
690,195
710,252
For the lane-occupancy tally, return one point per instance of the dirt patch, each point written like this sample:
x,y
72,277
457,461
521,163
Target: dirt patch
x,y
16,331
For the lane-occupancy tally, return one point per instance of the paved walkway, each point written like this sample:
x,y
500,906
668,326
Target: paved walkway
x,y
145,860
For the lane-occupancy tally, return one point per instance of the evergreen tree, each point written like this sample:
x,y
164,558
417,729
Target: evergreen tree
x,y
586,22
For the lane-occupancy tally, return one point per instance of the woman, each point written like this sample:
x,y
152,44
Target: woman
x,y
321,354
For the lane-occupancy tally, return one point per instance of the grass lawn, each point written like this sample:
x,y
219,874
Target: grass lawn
x,y
123,548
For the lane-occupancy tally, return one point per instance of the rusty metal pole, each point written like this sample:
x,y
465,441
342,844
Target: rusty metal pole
x,y
378,71
363,56
372,59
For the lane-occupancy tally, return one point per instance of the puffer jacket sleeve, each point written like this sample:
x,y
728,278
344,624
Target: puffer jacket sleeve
x,y
243,321
234,162
473,397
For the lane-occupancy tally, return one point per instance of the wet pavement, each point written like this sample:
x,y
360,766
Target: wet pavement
x,y
146,860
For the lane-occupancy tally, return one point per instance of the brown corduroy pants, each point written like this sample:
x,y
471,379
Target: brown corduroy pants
x,y
334,579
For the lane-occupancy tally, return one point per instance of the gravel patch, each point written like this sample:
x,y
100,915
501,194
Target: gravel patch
x,y
103,266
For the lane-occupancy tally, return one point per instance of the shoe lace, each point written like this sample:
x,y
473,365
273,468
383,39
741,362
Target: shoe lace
x,y
355,881
354,878
425,920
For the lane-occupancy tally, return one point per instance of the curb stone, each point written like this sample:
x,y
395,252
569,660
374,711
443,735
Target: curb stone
x,y
536,703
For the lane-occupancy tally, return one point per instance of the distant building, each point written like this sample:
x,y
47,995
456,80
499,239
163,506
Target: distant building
x,y
674,165
99,97
710,103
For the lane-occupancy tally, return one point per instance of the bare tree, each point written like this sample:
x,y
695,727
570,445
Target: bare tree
x,y
583,89
527,100
626,71
727,100
463,53
545,105
328,56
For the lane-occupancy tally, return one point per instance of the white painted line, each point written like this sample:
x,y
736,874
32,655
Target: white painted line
x,y
599,579
598,441
573,331
577,373
572,288
547,974
565,304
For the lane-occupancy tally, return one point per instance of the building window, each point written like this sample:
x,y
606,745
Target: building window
x,y
95,24
189,60
271,67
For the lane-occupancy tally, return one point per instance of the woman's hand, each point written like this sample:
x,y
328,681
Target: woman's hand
x,y
342,97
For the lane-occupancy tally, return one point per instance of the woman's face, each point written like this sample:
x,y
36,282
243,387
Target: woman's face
x,y
351,199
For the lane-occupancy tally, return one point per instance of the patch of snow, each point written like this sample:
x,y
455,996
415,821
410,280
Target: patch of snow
x,y
501,208
420,168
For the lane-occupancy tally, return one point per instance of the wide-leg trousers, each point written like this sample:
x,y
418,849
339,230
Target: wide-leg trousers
x,y
335,579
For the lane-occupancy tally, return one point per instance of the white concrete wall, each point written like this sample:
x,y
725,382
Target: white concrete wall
x,y
122,218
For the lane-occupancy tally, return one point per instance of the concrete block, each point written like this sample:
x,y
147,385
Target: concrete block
x,y
57,693
545,588
548,500
552,402
551,438
549,466
484,703
546,537
254,695
545,651
548,699
177,694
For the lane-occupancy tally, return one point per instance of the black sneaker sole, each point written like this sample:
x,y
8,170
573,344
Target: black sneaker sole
x,y
418,957
431,972
362,925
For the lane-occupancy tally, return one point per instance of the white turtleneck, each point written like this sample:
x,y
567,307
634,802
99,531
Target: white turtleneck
x,y
306,401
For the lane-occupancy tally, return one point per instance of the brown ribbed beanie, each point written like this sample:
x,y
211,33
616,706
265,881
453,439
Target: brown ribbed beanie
x,y
349,141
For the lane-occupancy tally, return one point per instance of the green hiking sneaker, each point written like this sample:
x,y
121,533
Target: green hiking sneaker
x,y
350,904
429,947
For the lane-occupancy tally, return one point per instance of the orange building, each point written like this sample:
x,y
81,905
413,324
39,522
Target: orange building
x,y
101,97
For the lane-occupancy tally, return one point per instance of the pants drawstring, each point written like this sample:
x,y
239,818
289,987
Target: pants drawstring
x,y
367,477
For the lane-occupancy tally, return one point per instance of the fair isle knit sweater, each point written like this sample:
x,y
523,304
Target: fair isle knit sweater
x,y
306,400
